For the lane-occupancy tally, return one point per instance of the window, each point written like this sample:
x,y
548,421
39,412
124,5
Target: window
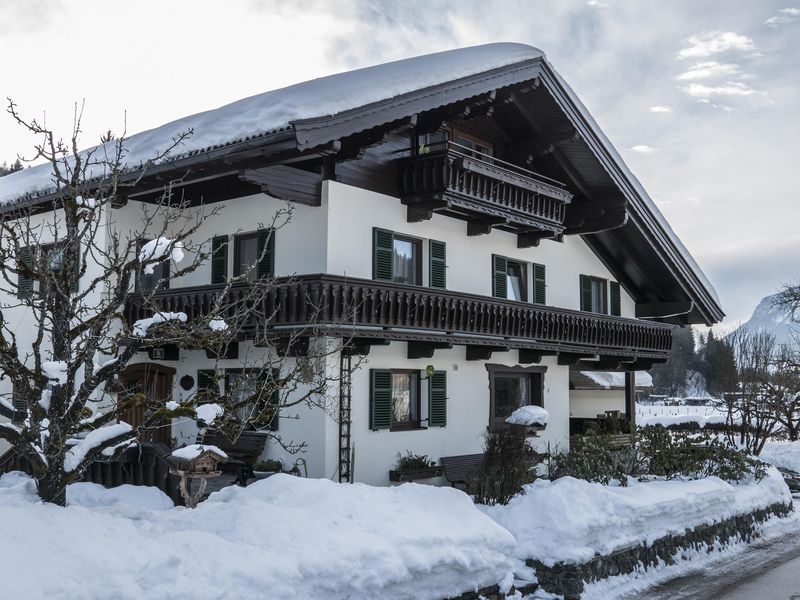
x,y
593,294
249,391
472,145
253,254
431,142
511,389
395,399
396,257
509,279
157,280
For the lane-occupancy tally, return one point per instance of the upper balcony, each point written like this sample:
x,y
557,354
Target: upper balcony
x,y
375,312
484,190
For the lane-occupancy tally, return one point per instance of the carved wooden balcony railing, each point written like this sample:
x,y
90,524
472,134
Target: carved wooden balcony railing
x,y
452,178
345,306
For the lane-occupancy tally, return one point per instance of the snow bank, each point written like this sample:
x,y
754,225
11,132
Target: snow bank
x,y
785,455
529,415
572,520
683,419
94,495
283,537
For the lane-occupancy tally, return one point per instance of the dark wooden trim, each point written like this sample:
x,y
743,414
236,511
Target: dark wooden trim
x,y
660,310
495,367
425,349
483,225
630,398
571,358
483,352
287,183
146,368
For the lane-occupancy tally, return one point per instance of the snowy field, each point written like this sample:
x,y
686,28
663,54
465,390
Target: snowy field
x,y
673,415
785,455
283,537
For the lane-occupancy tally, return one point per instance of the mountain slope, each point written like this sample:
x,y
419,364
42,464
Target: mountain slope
x,y
772,319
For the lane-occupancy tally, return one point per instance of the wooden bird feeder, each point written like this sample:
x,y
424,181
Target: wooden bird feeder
x,y
196,462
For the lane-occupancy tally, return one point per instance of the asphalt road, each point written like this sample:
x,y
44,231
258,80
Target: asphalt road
x,y
765,571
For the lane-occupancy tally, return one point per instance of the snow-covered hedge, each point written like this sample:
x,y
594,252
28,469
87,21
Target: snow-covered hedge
x,y
571,520
785,455
283,537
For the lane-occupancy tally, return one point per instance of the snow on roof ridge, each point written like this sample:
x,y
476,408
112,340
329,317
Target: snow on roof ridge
x,y
275,110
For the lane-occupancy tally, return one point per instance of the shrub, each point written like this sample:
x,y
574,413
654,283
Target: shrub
x,y
414,462
590,458
509,463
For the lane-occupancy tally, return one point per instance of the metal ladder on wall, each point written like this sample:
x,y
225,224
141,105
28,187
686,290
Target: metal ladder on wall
x,y
345,450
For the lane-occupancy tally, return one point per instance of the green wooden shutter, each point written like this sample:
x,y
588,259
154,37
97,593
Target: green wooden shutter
x,y
266,250
207,383
380,399
219,259
24,282
499,274
382,252
437,399
586,293
539,284
438,264
615,298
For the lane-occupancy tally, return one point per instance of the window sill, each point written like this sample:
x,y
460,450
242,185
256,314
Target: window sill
x,y
408,427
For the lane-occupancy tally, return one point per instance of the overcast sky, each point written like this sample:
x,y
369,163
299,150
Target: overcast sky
x,y
701,98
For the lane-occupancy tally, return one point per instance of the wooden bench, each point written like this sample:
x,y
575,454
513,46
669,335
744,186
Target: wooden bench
x,y
460,470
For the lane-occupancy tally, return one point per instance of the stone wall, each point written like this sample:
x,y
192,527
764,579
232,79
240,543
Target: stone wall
x,y
568,579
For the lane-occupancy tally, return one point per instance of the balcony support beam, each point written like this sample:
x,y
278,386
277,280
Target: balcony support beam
x,y
483,225
527,357
571,359
362,346
426,349
483,352
423,211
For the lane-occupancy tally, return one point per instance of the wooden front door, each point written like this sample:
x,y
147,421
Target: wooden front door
x,y
155,382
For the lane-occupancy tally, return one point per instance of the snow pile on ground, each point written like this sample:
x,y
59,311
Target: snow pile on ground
x,y
283,537
572,520
529,415
93,495
785,455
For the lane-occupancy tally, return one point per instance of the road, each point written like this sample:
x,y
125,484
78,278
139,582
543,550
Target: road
x,y
767,570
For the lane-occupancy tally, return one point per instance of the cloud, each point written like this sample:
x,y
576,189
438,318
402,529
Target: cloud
x,y
709,69
658,108
714,42
642,149
784,17
730,88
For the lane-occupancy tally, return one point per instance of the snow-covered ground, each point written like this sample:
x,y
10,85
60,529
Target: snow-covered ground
x,y
673,415
572,520
283,537
785,455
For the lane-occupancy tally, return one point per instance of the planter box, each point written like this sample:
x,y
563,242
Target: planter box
x,y
399,476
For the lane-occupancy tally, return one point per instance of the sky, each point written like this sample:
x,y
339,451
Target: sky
x,y
701,98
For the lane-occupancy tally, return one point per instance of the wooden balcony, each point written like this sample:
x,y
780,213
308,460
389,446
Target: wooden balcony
x,y
378,311
484,190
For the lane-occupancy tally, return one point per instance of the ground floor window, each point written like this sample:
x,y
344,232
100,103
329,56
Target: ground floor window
x,y
512,388
405,399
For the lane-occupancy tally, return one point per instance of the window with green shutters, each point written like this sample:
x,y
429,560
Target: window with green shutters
x,y
614,300
539,284
382,251
219,259
593,294
380,399
437,399
499,280
24,282
438,264
396,257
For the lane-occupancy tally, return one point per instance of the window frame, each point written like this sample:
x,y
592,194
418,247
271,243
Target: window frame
x,y
535,375
604,295
413,424
416,244
237,254
523,269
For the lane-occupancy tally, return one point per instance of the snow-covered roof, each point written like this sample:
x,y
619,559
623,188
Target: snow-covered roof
x,y
414,84
276,110
616,379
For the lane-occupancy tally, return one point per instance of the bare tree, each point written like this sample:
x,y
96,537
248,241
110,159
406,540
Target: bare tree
x,y
66,273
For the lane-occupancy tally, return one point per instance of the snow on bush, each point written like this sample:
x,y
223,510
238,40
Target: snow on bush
x,y
159,249
572,520
529,415
218,325
283,537
55,370
208,413
141,326
785,455
93,439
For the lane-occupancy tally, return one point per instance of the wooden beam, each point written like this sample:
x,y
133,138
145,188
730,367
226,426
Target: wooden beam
x,y
483,352
527,357
528,239
660,310
611,220
287,183
484,225
630,398
426,349
571,358
423,211
362,346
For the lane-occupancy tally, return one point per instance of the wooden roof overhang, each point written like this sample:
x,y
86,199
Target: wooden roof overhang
x,y
610,208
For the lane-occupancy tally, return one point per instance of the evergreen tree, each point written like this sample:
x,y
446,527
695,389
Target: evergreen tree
x,y
670,377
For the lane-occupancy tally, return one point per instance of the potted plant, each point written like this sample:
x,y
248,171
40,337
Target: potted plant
x,y
414,466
